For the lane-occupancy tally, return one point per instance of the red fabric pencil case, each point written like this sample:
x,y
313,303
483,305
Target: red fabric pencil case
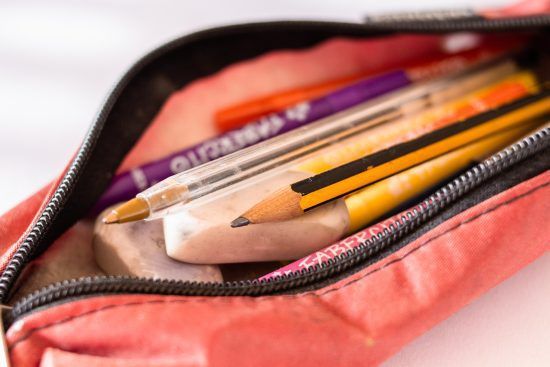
x,y
356,309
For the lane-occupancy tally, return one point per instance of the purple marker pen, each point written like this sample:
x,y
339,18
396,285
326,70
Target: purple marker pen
x,y
126,185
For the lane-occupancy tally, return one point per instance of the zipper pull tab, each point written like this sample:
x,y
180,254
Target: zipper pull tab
x,y
4,353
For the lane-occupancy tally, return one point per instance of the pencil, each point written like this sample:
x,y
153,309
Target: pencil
x,y
293,200
376,202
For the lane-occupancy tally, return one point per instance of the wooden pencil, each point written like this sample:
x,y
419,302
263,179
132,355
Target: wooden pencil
x,y
293,200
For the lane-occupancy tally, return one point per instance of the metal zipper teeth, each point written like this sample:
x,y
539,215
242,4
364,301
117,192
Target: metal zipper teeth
x,y
476,23
409,221
21,256
28,246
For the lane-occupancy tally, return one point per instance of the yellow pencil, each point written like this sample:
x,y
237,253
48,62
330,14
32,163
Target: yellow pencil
x,y
294,200
372,202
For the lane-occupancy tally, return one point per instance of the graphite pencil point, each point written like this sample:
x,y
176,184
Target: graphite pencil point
x,y
240,222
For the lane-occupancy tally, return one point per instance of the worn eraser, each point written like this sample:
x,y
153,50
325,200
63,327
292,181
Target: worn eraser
x,y
138,249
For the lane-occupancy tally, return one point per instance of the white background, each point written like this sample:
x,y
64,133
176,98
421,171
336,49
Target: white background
x,y
59,58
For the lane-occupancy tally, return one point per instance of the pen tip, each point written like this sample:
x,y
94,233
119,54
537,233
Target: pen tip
x,y
130,211
112,217
240,222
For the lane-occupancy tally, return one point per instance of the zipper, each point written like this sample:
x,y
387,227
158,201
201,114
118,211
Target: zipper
x,y
412,219
4,349
414,22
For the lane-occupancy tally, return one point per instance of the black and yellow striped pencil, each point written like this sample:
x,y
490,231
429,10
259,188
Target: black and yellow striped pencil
x,y
294,200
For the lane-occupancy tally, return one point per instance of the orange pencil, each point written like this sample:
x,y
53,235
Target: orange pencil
x,y
237,115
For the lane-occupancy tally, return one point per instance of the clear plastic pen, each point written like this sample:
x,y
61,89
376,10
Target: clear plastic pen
x,y
170,194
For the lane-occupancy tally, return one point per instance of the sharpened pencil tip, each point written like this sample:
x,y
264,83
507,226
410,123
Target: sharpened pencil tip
x,y
110,218
240,222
